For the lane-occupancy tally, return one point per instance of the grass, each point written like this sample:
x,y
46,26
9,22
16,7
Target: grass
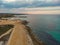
x,y
4,28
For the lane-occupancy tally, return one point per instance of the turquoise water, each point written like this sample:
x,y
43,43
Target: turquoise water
x,y
55,34
46,28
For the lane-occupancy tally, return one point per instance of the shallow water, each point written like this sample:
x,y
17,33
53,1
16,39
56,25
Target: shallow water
x,y
46,28
55,34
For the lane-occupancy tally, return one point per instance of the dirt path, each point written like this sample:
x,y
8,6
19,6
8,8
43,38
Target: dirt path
x,y
19,35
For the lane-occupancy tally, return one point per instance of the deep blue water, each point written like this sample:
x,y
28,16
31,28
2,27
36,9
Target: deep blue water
x,y
46,28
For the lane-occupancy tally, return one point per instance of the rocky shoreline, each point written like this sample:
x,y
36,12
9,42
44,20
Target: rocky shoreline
x,y
23,25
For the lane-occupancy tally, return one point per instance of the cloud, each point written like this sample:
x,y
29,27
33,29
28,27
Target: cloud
x,y
27,10
29,3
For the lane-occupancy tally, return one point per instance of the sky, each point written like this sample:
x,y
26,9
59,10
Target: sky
x,y
9,5
28,3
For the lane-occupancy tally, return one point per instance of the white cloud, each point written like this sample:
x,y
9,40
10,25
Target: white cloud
x,y
20,10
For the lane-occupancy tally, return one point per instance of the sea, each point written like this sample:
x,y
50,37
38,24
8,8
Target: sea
x,y
46,27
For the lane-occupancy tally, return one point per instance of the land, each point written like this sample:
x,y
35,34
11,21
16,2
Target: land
x,y
20,33
6,15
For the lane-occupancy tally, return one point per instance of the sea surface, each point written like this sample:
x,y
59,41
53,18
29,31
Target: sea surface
x,y
46,27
